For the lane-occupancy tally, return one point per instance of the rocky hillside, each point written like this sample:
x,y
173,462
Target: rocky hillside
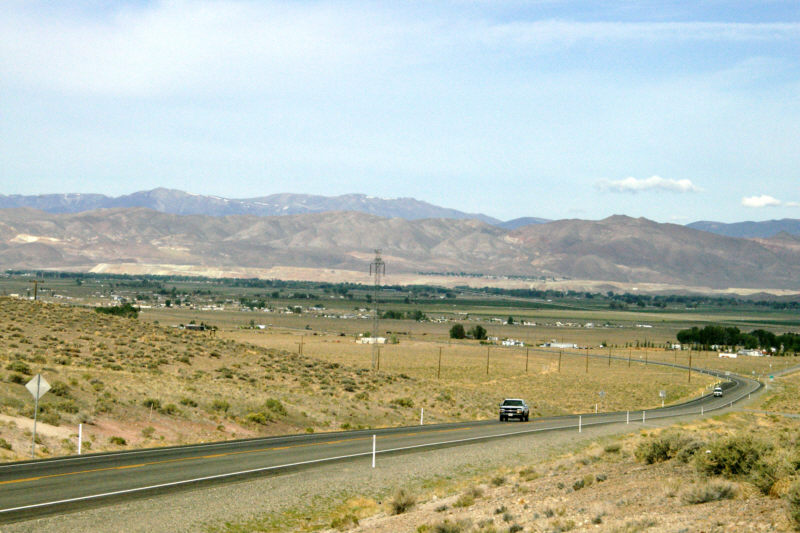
x,y
618,248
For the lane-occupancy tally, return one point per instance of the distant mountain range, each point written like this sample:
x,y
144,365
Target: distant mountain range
x,y
182,203
618,248
750,230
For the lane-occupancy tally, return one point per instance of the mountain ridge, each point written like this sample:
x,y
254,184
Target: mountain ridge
x,y
618,248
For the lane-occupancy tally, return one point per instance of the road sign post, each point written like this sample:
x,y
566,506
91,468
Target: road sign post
x,y
663,395
38,387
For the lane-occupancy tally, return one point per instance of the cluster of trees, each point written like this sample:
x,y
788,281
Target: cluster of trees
x,y
126,310
732,336
477,332
416,314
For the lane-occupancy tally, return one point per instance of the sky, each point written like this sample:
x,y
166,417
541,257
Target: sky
x,y
673,111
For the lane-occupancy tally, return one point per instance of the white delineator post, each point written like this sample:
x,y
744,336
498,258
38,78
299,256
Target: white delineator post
x,y
80,437
373,451
580,423
421,415
627,417
595,408
643,417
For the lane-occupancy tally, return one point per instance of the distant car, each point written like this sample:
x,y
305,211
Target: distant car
x,y
514,408
718,391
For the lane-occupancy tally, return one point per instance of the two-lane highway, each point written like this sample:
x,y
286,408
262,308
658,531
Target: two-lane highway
x,y
35,488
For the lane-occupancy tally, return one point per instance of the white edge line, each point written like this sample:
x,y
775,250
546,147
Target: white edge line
x,y
313,461
275,467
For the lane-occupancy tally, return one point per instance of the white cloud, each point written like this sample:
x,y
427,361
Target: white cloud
x,y
635,185
764,200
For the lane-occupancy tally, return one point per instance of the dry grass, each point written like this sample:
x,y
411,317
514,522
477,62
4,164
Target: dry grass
x,y
246,382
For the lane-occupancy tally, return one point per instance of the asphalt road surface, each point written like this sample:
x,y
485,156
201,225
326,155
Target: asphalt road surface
x,y
50,486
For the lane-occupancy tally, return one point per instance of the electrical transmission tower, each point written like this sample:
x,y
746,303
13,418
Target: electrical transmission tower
x,y
377,268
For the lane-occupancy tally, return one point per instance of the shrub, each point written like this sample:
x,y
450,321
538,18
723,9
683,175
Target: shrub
x,y
5,444
465,500
452,527
710,491
17,378
614,447
67,406
19,366
731,456
188,402
528,473
59,388
402,402
125,310
660,447
689,450
117,440
220,405
275,406
344,522
402,501
169,409
152,403
498,481
793,497
259,418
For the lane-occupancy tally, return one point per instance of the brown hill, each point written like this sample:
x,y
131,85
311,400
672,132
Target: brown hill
x,y
618,248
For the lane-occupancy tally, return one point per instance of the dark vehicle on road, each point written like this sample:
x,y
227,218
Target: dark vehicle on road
x,y
514,408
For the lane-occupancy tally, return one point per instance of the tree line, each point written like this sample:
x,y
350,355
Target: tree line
x,y
731,336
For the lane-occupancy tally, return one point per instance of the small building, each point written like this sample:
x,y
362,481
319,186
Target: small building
x,y
562,345
512,342
372,340
728,355
751,353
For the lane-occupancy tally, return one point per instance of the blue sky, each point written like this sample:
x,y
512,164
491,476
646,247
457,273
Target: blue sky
x,y
669,110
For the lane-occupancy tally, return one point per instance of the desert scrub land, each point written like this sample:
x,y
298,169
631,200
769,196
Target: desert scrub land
x,y
737,472
135,383
784,394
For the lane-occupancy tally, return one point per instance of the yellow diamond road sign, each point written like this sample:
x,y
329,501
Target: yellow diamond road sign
x,y
37,386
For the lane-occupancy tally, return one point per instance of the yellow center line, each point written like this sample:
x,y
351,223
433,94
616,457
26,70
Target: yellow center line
x,y
212,456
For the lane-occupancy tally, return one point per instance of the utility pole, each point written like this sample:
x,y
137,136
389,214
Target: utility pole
x,y
629,356
487,360
35,287
301,345
690,366
609,357
377,268
559,361
527,354
439,370
587,359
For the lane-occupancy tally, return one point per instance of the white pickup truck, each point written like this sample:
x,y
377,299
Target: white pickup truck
x,y
514,408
